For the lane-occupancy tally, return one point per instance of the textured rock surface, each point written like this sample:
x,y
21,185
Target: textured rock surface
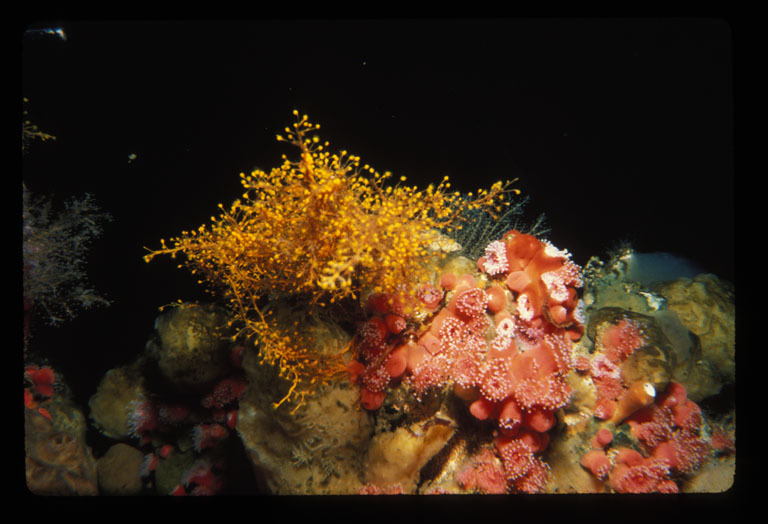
x,y
696,315
654,361
170,470
57,462
563,458
395,458
120,470
706,306
317,450
715,476
191,346
110,404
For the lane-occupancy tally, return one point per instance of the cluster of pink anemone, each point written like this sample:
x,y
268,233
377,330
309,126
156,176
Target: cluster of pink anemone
x,y
670,444
501,338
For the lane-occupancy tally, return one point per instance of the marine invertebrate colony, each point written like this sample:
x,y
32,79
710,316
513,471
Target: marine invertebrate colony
x,y
54,250
669,434
506,352
319,230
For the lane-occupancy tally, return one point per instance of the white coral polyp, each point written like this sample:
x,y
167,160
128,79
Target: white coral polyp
x,y
506,328
524,307
558,280
554,252
496,258
578,312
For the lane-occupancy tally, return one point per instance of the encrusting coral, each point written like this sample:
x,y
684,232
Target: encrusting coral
x,y
319,230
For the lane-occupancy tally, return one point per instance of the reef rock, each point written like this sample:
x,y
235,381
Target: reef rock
x,y
706,306
110,405
697,316
654,361
170,471
57,462
395,458
320,447
120,470
191,346
563,458
609,285
716,476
